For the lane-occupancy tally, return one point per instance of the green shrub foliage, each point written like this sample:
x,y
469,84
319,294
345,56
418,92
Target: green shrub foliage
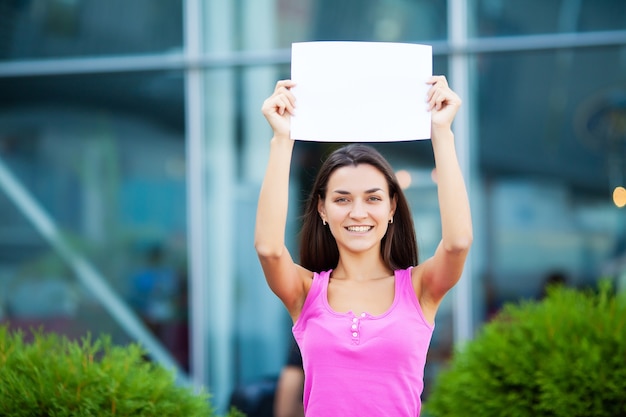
x,y
563,356
54,376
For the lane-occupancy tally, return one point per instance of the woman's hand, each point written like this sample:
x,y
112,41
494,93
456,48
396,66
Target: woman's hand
x,y
279,107
443,103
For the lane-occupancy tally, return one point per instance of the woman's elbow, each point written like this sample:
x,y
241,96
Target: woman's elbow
x,y
461,244
267,250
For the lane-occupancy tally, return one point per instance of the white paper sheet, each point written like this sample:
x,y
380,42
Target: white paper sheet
x,y
360,91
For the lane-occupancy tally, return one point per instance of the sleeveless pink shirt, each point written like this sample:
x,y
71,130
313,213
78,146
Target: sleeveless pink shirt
x,y
363,365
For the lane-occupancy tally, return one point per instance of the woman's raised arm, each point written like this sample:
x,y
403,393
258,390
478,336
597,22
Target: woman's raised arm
x,y
282,274
441,272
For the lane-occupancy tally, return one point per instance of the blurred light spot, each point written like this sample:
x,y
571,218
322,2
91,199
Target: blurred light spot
x,y
619,196
433,175
404,178
387,29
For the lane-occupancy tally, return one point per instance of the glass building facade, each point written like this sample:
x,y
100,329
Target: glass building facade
x,y
132,148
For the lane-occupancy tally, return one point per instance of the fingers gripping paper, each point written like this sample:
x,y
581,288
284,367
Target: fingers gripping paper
x,y
360,91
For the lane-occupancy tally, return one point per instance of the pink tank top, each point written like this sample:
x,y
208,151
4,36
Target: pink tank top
x,y
363,365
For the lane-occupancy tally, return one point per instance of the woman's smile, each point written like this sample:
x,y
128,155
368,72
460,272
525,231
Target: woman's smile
x,y
359,229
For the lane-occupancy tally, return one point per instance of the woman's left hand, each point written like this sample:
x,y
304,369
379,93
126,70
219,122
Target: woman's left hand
x,y
443,103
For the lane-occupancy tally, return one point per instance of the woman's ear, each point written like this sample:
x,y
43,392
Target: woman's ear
x,y
394,204
320,208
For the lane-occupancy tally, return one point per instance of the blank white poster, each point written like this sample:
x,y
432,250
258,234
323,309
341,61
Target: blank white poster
x,y
360,91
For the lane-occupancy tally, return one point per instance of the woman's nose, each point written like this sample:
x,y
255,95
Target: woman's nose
x,y
358,210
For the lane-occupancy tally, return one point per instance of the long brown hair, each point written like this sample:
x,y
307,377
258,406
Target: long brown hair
x,y
318,248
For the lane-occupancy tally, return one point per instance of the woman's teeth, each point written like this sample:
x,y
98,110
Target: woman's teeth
x,y
359,228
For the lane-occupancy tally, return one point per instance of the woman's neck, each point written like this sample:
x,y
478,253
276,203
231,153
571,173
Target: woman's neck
x,y
361,268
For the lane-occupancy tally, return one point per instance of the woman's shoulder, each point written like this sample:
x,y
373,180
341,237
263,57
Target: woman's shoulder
x,y
312,278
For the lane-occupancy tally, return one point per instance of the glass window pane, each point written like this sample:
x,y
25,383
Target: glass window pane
x,y
511,18
361,20
79,28
103,158
552,149
535,109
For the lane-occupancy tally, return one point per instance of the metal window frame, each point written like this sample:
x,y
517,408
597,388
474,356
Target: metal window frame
x,y
193,61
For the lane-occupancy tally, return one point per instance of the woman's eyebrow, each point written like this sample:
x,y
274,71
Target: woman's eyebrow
x,y
370,191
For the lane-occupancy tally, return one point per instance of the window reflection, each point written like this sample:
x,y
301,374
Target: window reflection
x,y
110,177
551,158
80,28
361,20
509,18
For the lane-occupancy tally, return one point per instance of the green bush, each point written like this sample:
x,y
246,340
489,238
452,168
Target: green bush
x,y
54,376
563,356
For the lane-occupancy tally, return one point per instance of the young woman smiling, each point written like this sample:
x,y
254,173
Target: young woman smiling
x,y
363,308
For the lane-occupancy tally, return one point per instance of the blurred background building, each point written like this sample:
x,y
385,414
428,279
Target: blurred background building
x,y
132,148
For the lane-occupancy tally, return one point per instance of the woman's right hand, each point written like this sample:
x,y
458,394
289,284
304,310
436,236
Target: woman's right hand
x,y
279,107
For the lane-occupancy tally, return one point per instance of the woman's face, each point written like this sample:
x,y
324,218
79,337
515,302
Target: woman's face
x,y
357,207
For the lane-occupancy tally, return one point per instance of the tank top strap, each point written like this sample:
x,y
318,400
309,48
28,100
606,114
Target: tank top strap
x,y
319,284
404,286
403,280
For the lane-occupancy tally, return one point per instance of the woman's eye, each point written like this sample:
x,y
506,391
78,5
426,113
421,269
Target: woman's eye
x,y
341,200
375,198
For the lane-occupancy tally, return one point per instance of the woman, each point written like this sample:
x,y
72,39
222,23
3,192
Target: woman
x,y
363,308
